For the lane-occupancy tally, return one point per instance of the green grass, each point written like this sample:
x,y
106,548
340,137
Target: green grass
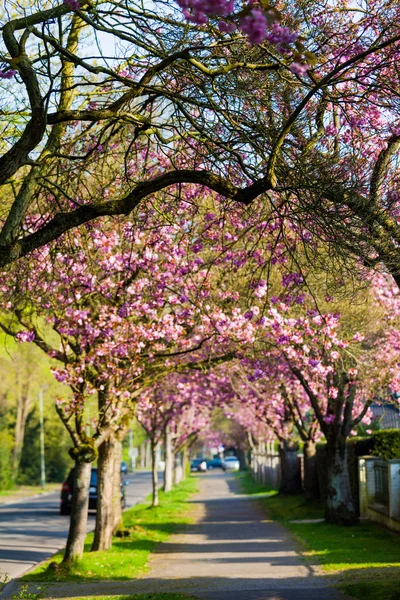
x,y
367,555
129,555
250,486
380,586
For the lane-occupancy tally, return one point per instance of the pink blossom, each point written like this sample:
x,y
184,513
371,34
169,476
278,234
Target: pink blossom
x,y
74,4
9,74
299,69
333,392
329,419
255,26
25,336
358,337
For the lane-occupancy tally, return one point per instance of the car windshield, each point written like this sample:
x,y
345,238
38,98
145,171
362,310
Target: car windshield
x,y
231,458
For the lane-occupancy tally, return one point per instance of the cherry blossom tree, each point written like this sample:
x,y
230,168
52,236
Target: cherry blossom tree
x,y
175,412
272,395
340,380
259,103
114,343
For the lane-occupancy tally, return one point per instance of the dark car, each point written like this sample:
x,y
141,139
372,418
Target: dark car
x,y
199,464
68,489
215,463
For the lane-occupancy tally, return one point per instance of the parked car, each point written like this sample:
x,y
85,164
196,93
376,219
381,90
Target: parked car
x,y
215,463
232,463
198,464
67,491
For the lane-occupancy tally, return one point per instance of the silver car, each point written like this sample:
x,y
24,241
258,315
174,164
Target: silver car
x,y
232,463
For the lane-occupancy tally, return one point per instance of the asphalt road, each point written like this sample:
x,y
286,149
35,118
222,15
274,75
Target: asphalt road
x,y
33,529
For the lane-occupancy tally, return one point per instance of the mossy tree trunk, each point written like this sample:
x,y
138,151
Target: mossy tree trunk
x,y
169,461
79,513
339,507
185,462
311,484
290,471
117,505
105,493
154,471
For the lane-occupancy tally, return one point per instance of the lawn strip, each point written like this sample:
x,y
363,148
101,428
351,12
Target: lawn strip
x,y
145,527
367,555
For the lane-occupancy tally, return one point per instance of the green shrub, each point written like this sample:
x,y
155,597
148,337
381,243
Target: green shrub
x,y
387,443
6,474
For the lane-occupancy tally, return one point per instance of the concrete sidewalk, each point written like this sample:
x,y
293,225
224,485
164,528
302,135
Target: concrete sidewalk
x,y
231,553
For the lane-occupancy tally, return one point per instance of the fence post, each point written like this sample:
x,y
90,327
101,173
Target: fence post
x,y
394,487
363,490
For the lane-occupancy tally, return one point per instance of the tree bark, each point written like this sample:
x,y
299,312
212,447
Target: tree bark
x,y
147,459
117,505
339,507
79,512
290,468
177,468
185,461
154,472
105,491
311,484
169,461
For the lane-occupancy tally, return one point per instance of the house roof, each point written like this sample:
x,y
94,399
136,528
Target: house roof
x,y
387,414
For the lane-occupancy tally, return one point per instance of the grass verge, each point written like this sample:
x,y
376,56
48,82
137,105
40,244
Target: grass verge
x,y
128,556
24,491
367,556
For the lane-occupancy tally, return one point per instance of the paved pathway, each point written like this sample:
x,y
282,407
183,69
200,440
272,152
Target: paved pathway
x,y
32,529
231,553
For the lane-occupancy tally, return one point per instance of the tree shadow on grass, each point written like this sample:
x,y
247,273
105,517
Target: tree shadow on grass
x,y
206,588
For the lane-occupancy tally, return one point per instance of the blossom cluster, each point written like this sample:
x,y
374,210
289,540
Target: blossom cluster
x,y
74,4
7,74
258,24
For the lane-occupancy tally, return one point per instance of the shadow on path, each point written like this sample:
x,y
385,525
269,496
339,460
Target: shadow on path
x,y
231,552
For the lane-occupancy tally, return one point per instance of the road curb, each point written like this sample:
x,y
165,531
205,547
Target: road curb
x,y
9,588
13,584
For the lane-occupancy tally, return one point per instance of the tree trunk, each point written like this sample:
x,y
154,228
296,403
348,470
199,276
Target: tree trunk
x,y
154,472
185,462
169,461
79,513
147,460
117,506
177,468
290,468
339,507
105,491
311,484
